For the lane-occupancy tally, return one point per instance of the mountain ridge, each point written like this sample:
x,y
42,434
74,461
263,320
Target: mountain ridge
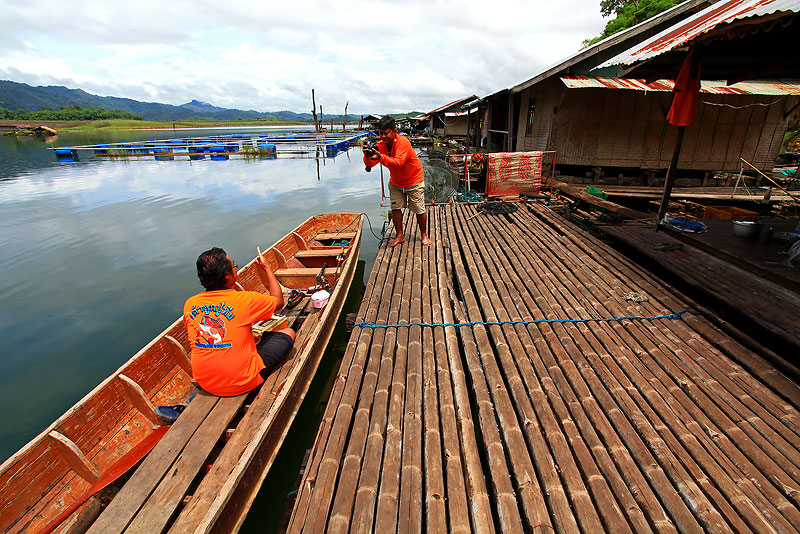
x,y
21,96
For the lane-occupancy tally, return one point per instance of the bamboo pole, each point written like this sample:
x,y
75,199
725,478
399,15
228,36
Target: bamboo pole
x,y
509,305
689,439
536,422
755,364
410,501
388,492
445,489
496,402
479,501
307,507
367,493
723,367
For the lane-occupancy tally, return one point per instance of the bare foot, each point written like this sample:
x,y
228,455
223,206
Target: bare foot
x,y
397,240
425,240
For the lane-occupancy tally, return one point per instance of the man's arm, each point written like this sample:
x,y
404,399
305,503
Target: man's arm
x,y
268,278
402,153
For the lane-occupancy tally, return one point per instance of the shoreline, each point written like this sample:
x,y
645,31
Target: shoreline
x,y
124,124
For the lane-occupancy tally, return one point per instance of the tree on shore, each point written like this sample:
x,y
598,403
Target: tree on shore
x,y
67,113
628,13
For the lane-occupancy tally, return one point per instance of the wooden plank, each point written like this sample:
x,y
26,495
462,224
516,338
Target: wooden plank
x,y
133,495
304,271
162,504
600,203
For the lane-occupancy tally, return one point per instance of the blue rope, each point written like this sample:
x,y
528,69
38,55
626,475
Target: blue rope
x,y
675,316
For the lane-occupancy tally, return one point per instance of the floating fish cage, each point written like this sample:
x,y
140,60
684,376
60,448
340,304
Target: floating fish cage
x,y
220,147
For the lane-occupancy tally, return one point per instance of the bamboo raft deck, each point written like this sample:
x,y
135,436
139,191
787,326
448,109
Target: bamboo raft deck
x,y
665,425
768,304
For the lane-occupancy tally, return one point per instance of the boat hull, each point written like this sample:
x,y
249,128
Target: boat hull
x,y
47,475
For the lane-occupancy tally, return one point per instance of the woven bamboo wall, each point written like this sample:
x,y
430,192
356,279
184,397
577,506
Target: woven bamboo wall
x,y
620,128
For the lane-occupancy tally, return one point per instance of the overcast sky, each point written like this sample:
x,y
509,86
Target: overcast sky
x,y
382,57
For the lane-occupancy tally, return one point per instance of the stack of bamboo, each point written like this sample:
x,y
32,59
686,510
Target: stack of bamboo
x,y
509,425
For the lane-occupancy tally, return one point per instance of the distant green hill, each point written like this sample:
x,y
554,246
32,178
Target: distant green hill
x,y
15,96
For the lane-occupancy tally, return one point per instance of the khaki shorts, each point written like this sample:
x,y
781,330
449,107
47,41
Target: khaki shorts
x,y
412,196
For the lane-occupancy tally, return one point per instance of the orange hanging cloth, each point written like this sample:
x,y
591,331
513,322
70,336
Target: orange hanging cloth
x,y
687,90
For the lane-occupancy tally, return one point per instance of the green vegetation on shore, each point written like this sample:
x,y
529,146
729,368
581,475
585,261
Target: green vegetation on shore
x,y
128,124
67,113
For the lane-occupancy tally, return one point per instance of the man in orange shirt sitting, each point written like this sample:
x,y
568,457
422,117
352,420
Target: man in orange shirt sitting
x,y
407,179
225,358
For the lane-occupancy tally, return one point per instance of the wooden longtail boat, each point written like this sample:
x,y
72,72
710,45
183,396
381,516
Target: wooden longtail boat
x,y
203,475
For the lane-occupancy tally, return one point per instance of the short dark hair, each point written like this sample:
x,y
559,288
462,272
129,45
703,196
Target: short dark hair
x,y
212,267
386,123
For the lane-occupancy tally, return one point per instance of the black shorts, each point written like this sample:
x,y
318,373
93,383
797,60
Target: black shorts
x,y
273,348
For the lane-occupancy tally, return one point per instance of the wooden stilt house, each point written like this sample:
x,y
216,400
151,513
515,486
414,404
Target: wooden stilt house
x,y
595,120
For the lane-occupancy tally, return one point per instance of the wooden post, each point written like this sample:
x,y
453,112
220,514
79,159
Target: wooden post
x,y
344,124
314,111
319,125
670,180
510,125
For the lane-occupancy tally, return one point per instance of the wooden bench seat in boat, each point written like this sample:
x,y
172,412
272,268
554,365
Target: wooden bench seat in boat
x,y
317,253
335,236
304,271
175,486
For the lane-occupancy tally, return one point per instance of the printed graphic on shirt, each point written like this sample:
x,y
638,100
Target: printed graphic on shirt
x,y
213,332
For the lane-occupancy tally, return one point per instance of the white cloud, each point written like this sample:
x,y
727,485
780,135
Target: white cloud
x,y
380,56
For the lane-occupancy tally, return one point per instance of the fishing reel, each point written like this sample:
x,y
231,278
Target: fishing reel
x,y
322,282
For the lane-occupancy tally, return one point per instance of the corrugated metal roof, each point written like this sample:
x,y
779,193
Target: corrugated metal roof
x,y
464,113
700,23
760,87
453,104
612,40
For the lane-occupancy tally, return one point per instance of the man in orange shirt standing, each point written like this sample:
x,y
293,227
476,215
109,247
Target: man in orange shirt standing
x,y
407,179
225,358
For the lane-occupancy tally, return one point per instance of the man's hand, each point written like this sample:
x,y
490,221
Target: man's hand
x,y
261,260
373,155
268,278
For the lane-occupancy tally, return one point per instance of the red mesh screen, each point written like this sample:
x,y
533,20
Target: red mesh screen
x,y
510,173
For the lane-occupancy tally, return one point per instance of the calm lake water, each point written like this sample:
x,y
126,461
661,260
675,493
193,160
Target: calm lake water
x,y
98,256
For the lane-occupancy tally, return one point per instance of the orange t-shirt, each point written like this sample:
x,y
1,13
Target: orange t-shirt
x,y
404,166
219,323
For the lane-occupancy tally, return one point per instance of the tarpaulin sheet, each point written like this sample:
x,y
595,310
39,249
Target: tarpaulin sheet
x,y
510,173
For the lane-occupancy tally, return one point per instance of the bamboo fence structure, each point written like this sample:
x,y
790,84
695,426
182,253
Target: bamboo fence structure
x,y
520,391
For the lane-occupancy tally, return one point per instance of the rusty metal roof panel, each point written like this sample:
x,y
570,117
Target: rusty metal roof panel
x,y
700,23
453,104
760,87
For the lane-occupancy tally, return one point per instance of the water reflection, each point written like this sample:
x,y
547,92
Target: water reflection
x,y
98,257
